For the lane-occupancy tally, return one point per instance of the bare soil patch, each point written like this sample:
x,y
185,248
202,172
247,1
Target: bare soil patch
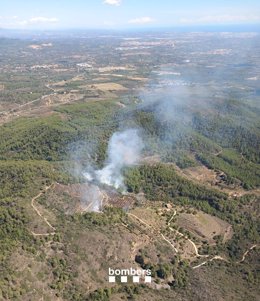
x,y
205,226
201,173
115,68
110,87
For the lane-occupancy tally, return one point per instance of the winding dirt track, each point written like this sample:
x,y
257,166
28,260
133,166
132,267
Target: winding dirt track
x,y
182,235
140,220
150,227
173,230
167,240
18,107
174,213
190,241
223,259
246,253
39,213
216,257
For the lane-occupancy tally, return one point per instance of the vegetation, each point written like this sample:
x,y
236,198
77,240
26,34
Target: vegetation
x,y
53,139
162,181
237,168
67,261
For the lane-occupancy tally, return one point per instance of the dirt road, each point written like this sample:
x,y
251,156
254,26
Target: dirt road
x,y
39,213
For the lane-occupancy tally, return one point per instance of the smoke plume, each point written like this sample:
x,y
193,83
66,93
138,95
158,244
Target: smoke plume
x,y
124,150
92,197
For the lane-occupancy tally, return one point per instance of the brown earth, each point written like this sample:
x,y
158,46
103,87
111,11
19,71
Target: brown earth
x,y
205,226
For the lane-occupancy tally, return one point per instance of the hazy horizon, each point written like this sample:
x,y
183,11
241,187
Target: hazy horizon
x,y
126,14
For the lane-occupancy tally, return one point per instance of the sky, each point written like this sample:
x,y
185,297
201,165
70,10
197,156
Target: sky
x,y
124,14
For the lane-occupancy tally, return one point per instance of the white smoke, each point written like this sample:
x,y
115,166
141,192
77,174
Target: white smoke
x,y
92,198
88,176
124,150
